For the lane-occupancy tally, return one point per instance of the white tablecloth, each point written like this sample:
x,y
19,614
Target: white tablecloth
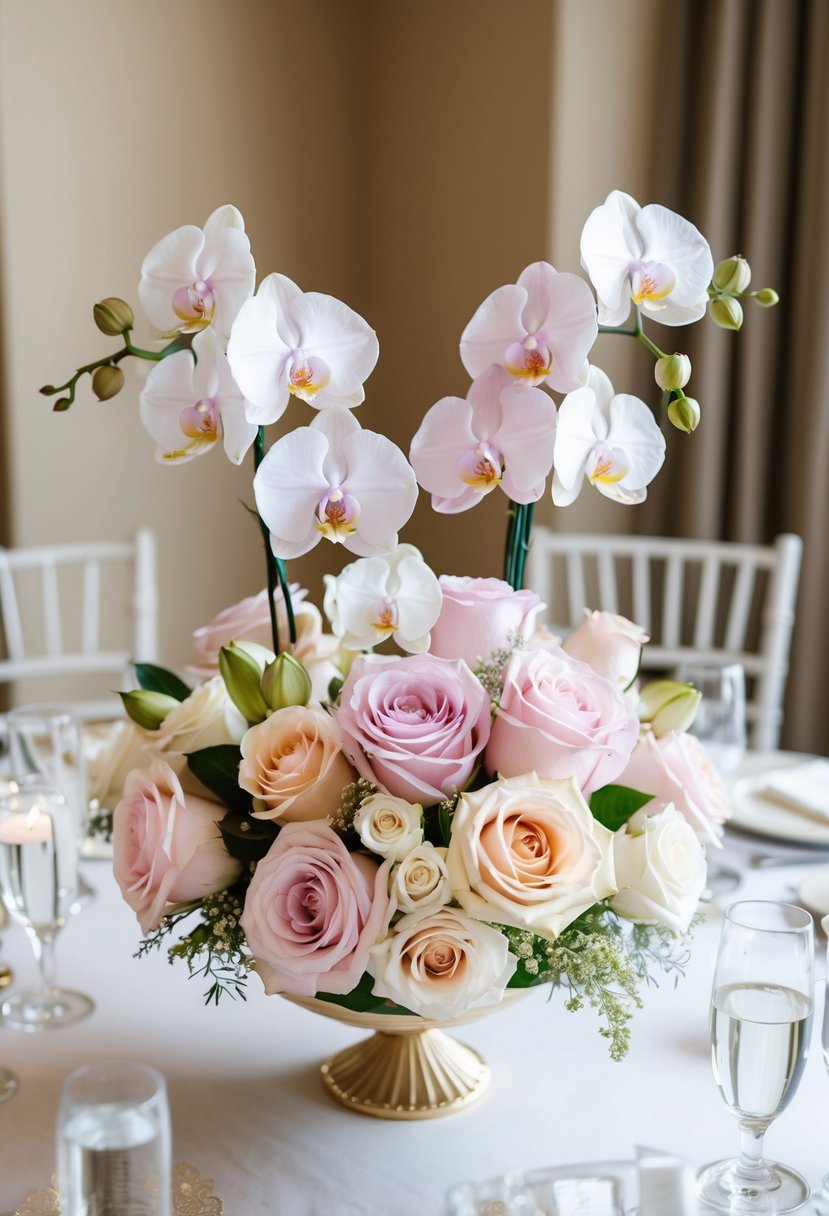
x,y
249,1109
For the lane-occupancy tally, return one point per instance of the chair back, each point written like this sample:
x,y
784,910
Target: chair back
x,y
84,609
700,601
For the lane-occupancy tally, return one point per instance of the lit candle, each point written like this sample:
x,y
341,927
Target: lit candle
x,y
31,827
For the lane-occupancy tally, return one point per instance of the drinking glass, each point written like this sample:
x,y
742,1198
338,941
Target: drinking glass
x,y
761,1019
113,1145
721,717
38,884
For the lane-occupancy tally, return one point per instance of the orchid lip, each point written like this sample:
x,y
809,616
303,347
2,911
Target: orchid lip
x,y
337,514
195,304
200,421
651,282
530,360
481,467
307,374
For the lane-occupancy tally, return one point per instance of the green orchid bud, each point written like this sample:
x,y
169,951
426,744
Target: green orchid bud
x,y
113,316
242,674
286,682
684,414
61,404
726,312
672,371
767,297
734,274
668,706
107,381
148,709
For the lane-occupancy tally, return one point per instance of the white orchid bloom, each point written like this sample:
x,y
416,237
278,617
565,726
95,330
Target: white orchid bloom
x,y
289,342
336,480
190,399
612,440
196,277
648,256
379,597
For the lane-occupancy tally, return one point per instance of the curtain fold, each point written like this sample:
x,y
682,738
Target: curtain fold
x,y
742,151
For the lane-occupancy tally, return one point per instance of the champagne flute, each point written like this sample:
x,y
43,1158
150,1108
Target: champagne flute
x,y
113,1142
720,722
38,885
761,1020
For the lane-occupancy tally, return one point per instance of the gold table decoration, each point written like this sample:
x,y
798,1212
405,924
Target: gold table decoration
x,y
191,1195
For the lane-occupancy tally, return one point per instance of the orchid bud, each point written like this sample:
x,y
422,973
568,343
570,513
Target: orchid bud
x,y
148,709
286,682
672,371
668,706
734,274
684,414
242,674
767,297
726,312
113,316
107,381
61,404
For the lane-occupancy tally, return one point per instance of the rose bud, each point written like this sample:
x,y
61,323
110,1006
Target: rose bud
x,y
668,706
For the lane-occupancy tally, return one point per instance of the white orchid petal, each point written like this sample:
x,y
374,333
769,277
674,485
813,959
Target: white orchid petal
x,y
237,432
572,327
563,495
485,398
495,324
330,330
209,354
628,498
536,279
232,271
167,392
336,425
444,436
289,484
470,497
384,484
674,241
257,357
634,430
169,264
418,601
576,437
605,256
526,439
289,549
220,220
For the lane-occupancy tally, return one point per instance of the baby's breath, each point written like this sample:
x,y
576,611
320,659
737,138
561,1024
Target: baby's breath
x,y
490,671
353,796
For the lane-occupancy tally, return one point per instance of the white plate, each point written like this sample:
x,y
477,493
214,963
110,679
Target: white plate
x,y
753,812
814,892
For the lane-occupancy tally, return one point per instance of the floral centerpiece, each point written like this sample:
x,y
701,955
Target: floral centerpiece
x,y
487,807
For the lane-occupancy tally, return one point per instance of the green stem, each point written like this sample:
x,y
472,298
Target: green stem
x,y
635,331
275,567
180,342
518,542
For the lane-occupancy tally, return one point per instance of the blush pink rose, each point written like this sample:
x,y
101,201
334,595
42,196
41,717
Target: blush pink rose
x,y
610,644
559,719
415,725
167,848
247,621
313,911
479,616
675,768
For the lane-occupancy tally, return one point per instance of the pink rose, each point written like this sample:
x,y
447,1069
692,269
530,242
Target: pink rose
x,y
610,644
559,719
479,615
415,725
247,621
675,768
313,911
167,849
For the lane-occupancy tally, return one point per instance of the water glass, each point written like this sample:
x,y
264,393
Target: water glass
x,y
45,744
113,1142
721,718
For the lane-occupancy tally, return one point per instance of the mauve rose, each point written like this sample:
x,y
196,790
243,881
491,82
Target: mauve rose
x,y
415,725
559,719
167,848
675,768
479,615
527,852
610,644
313,911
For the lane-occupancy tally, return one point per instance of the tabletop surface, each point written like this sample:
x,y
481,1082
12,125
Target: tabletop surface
x,y
250,1111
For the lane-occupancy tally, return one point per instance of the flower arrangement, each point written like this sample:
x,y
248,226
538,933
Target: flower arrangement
x,y
487,807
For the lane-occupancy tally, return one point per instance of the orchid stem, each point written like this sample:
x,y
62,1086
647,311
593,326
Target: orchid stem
x,y
635,331
517,544
180,342
276,568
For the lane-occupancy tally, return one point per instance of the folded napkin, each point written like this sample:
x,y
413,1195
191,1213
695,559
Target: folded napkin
x,y
803,788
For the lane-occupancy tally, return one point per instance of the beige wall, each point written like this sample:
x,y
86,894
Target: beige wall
x,y
408,157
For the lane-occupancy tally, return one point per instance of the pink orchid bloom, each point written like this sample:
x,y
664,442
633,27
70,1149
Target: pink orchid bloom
x,y
196,277
540,329
286,342
336,480
188,403
502,434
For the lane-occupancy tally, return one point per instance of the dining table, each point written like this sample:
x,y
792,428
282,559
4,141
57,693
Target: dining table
x,y
250,1112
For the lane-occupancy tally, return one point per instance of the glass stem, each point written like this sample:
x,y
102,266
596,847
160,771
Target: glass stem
x,y
750,1164
43,947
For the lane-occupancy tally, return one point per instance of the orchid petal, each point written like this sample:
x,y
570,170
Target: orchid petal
x,y
495,324
634,429
334,332
536,279
167,393
170,263
571,327
257,357
526,438
231,269
284,293
237,432
384,484
673,240
469,497
336,425
445,435
576,435
485,398
418,599
288,487
563,495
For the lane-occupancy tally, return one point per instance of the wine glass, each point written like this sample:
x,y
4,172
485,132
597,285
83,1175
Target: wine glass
x,y
113,1141
720,722
761,1019
38,884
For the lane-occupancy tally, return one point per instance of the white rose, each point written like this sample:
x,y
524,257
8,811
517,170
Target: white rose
x,y
439,964
389,826
660,870
112,755
206,718
421,882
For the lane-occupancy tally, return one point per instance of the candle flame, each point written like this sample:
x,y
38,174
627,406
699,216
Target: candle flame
x,y
32,817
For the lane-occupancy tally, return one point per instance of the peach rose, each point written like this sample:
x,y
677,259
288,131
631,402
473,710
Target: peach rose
x,y
610,644
313,911
294,766
527,852
167,849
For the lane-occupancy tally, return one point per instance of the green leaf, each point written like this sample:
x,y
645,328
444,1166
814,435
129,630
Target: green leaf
x,y
334,687
218,769
245,838
159,679
445,823
613,805
364,1000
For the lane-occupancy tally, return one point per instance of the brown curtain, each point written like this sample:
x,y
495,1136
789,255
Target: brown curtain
x,y
742,142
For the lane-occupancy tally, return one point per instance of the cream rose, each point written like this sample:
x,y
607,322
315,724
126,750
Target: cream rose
x,y
439,964
420,882
112,753
293,765
610,644
527,852
389,826
660,870
207,718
